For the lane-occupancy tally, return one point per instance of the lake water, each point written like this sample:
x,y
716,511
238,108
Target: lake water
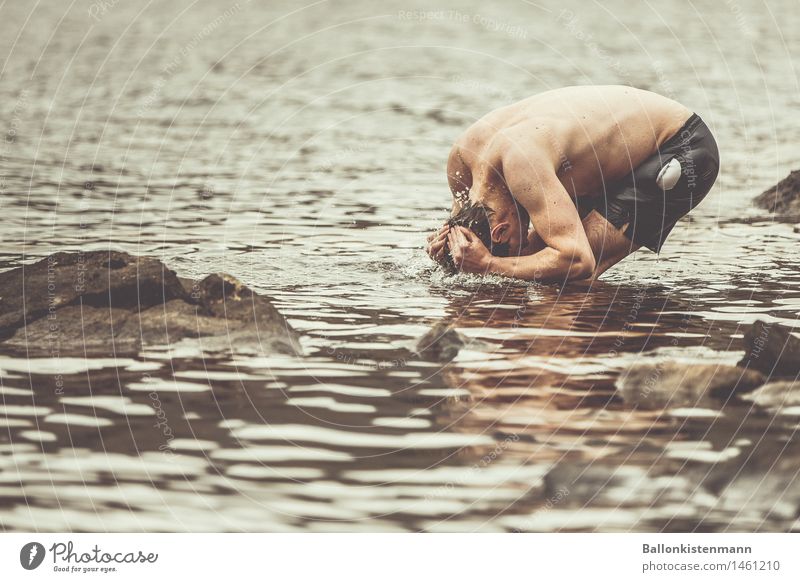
x,y
302,148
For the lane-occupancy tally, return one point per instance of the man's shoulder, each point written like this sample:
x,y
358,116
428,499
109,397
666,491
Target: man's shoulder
x,y
484,143
526,141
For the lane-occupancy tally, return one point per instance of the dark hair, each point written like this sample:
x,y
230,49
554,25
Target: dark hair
x,y
475,217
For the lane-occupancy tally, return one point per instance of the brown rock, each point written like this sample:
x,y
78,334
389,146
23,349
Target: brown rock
x,y
151,309
441,343
76,330
784,197
673,384
96,278
771,348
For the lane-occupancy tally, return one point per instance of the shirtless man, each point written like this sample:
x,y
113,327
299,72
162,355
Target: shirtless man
x,y
597,171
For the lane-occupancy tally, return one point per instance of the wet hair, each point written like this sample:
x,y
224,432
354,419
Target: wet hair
x,y
475,216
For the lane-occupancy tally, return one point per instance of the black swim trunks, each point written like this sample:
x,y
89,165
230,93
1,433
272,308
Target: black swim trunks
x,y
664,188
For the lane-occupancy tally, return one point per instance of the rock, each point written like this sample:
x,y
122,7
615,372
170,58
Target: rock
x,y
674,384
580,480
228,299
776,395
76,330
97,279
599,484
441,343
761,485
91,319
784,197
771,348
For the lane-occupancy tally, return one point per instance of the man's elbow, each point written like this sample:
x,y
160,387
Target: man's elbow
x,y
581,266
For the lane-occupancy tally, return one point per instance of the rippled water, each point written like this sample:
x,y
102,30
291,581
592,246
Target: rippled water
x,y
302,149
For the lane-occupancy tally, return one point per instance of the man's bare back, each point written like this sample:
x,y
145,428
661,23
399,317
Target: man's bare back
x,y
646,158
588,135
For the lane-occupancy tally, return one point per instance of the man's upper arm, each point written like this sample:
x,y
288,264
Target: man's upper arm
x,y
552,211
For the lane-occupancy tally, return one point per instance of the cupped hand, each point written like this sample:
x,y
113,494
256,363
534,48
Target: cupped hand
x,y
469,253
437,243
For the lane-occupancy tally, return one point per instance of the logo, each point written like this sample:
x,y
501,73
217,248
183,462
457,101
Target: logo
x,y
31,555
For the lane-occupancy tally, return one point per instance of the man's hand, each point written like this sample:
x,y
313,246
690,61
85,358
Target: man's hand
x,y
469,253
437,243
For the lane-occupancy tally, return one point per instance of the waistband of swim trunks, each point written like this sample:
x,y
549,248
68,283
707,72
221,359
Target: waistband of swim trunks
x,y
690,125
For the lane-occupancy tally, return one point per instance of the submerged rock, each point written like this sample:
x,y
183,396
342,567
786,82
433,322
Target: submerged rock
x,y
771,348
776,395
111,302
585,484
783,197
441,343
761,484
674,384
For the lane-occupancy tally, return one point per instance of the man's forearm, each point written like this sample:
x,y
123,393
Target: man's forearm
x,y
547,265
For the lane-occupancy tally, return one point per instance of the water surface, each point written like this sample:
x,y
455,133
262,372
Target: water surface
x,y
302,149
